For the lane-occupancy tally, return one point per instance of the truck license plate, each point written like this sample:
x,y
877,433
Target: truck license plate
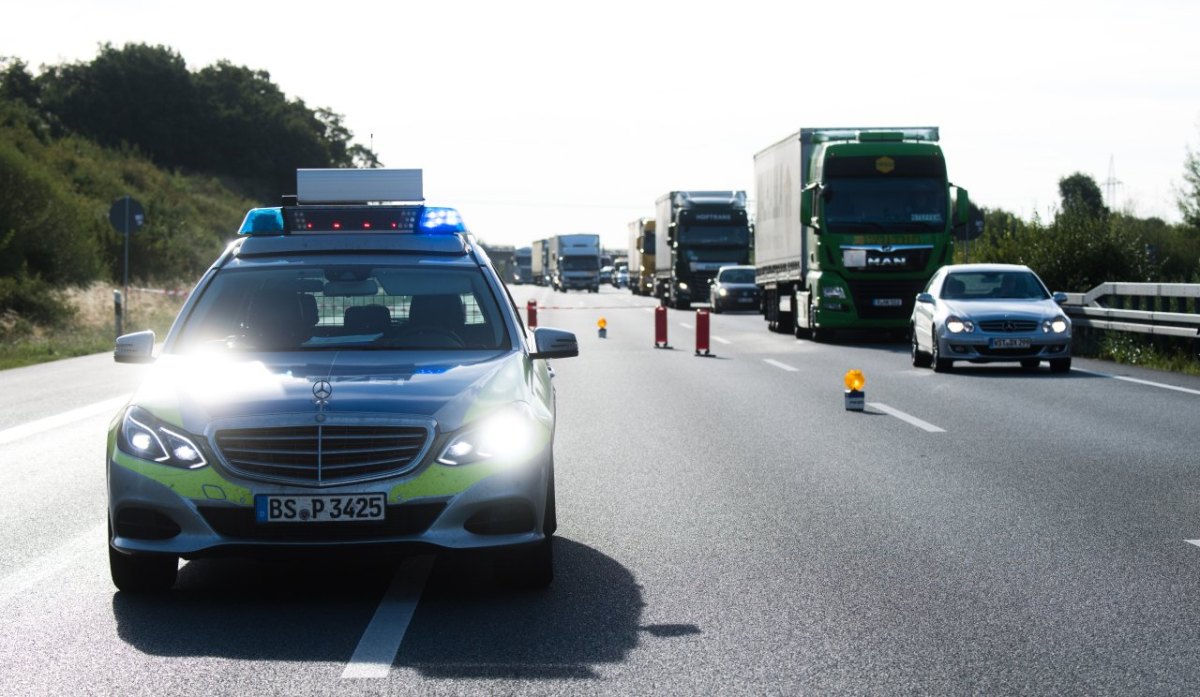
x,y
319,509
886,302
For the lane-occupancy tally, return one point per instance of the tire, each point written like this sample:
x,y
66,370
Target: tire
x,y
814,333
940,365
1060,365
132,573
550,519
716,307
1030,363
920,359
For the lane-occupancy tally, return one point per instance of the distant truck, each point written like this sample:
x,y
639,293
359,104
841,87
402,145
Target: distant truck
x,y
522,266
850,224
574,262
539,270
698,232
641,256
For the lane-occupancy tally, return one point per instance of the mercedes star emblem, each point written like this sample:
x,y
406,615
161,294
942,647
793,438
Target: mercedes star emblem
x,y
322,389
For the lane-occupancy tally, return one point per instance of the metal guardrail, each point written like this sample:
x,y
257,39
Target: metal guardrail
x,y
1163,309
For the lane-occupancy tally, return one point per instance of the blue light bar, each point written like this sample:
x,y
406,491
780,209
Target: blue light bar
x,y
441,221
262,220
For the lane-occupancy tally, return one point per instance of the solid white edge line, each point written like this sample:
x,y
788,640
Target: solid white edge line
x,y
15,433
909,418
1185,390
781,366
1193,542
685,325
720,340
376,651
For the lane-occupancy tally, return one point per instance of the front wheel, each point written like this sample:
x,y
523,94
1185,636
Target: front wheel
x,y
132,573
920,359
940,365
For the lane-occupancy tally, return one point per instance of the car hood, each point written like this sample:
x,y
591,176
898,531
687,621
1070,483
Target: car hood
x,y
975,309
193,391
737,286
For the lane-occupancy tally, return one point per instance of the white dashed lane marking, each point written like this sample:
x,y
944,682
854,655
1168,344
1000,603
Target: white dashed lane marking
x,y
907,418
377,649
781,366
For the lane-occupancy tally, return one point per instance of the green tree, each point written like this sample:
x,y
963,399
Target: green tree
x,y
1081,196
1188,198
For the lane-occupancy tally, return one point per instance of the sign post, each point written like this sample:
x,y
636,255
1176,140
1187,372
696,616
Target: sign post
x,y
126,216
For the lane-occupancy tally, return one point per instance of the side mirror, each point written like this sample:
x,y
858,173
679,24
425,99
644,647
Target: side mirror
x,y
810,206
925,298
962,206
1060,297
554,343
137,347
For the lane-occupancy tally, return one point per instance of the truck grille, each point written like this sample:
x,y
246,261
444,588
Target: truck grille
x,y
321,454
866,293
1001,326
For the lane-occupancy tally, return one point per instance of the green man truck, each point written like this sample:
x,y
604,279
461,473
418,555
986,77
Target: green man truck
x,y
696,233
850,224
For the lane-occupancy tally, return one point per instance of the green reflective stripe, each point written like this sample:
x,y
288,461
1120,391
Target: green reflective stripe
x,y
443,480
202,484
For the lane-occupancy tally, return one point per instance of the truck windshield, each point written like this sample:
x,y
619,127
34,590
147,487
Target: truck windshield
x,y
580,263
885,204
715,234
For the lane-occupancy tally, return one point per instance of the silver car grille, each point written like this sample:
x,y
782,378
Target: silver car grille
x,y
1001,326
321,454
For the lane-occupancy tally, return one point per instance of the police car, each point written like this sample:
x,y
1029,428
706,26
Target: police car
x,y
346,376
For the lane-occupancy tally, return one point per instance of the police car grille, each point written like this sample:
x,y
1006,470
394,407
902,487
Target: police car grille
x,y
321,454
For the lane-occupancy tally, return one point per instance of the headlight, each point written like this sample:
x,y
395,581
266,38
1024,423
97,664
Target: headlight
x,y
958,326
833,292
722,292
682,286
146,438
1058,325
510,433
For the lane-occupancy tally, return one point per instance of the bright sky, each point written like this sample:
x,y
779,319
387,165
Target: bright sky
x,y
538,118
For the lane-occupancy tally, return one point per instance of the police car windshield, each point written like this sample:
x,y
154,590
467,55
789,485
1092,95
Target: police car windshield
x,y
334,306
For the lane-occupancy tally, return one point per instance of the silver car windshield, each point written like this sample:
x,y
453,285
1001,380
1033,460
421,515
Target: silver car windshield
x,y
998,285
345,306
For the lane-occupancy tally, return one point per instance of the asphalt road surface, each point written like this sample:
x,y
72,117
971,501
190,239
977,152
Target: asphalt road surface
x,y
725,527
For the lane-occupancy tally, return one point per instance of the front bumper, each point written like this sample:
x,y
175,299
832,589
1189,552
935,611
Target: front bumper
x,y
430,507
977,347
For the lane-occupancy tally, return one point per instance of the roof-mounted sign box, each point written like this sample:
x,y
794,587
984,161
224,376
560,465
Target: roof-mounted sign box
x,y
358,185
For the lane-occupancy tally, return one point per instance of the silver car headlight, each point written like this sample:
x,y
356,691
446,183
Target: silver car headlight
x,y
833,292
1058,325
957,326
509,434
682,286
722,292
145,437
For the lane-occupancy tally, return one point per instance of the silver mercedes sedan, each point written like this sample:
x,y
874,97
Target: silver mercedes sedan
x,y
986,313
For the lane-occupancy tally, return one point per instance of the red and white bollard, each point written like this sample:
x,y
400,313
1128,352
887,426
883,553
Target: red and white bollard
x,y
531,313
660,327
702,332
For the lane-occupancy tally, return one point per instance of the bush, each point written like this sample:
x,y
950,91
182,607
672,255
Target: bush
x,y
25,301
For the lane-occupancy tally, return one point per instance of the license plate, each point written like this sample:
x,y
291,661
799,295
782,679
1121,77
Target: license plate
x,y
886,302
326,508
745,300
1021,343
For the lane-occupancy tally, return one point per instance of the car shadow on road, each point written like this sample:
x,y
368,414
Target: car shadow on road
x,y
465,624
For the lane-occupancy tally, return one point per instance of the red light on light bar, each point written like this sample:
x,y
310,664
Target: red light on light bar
x,y
309,226
395,225
337,226
366,225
